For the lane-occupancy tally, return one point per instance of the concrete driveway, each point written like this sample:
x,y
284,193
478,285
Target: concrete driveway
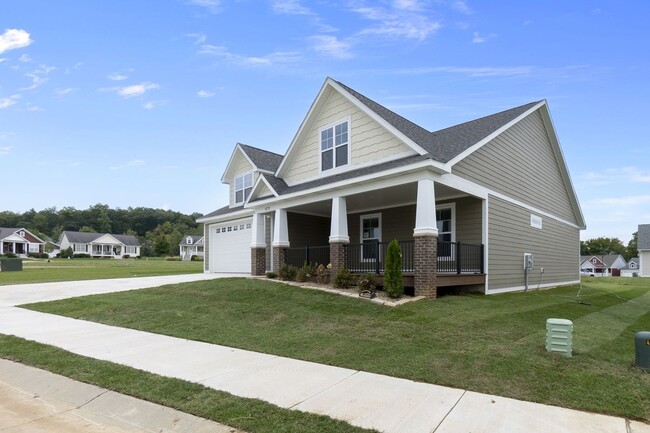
x,y
364,399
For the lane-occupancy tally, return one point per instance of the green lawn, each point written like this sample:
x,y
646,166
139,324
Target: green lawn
x,y
492,344
42,271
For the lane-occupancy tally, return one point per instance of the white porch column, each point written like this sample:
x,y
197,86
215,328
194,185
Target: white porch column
x,y
258,240
425,216
339,224
281,229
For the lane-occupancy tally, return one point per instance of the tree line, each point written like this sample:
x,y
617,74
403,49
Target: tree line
x,y
159,231
605,245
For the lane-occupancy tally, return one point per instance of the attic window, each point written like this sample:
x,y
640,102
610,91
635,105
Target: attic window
x,y
243,187
334,146
22,233
188,240
536,221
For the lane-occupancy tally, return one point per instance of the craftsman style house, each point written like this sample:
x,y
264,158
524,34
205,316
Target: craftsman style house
x,y
100,245
191,246
465,203
19,241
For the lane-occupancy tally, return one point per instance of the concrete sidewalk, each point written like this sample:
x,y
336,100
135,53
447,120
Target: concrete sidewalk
x,y
37,401
364,399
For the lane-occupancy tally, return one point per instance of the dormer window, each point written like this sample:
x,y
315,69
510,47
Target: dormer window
x,y
243,187
334,146
22,233
188,241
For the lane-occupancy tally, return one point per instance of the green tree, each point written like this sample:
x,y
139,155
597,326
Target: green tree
x,y
87,229
602,245
393,284
632,247
161,246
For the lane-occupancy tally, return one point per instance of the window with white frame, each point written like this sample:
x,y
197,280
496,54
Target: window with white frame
x,y
188,240
129,249
370,236
446,225
80,248
334,146
34,248
243,187
536,221
632,265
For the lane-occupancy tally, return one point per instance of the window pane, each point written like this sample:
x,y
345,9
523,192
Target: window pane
x,y
239,196
341,155
239,182
327,160
443,214
341,133
247,192
248,180
326,139
446,226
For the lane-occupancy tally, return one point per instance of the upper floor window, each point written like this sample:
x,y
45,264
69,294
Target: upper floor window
x,y
334,146
243,187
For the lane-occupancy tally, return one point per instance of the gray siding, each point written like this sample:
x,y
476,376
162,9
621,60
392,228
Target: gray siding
x,y
469,226
308,230
520,163
555,247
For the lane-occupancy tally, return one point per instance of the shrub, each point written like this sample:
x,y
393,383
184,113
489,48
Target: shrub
x,y
66,253
393,284
288,272
172,259
342,279
196,258
10,255
305,273
81,256
271,275
367,282
323,274
126,256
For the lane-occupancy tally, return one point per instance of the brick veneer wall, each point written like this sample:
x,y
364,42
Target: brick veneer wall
x,y
337,255
258,261
278,258
425,262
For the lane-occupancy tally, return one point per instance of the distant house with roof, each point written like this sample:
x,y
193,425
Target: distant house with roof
x,y
191,246
643,245
603,265
465,203
20,241
631,269
100,244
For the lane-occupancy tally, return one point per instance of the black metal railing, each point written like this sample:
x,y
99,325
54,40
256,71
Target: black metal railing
x,y
298,256
369,257
460,258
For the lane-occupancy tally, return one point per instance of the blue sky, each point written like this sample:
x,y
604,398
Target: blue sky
x,y
140,103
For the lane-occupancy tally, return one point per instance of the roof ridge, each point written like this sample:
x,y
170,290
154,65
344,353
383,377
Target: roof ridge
x,y
260,149
531,104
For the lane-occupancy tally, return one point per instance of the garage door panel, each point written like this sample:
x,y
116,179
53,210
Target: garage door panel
x,y
230,247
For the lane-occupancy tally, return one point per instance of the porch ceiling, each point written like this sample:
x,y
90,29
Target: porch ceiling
x,y
377,199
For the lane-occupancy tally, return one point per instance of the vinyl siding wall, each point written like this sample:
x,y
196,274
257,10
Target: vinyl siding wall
x,y
307,230
555,248
520,163
240,166
369,141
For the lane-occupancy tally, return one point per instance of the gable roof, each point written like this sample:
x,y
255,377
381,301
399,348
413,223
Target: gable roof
x,y
607,259
86,238
195,239
262,159
643,237
8,231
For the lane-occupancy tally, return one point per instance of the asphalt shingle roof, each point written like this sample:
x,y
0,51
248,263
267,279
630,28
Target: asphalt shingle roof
x,y
644,237
223,211
86,238
195,239
263,159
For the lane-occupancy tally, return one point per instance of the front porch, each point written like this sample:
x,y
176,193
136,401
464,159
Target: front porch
x,y
440,230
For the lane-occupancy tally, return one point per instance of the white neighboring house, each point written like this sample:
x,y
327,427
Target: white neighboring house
x,y
605,265
631,269
644,249
19,241
101,244
191,246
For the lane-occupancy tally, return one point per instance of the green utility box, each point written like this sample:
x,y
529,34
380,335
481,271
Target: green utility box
x,y
559,336
11,265
642,350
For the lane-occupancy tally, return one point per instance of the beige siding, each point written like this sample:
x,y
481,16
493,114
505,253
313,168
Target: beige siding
x,y
369,141
265,191
555,247
307,230
520,163
240,165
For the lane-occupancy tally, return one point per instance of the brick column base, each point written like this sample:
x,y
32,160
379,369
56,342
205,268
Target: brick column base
x,y
425,258
278,258
337,255
258,261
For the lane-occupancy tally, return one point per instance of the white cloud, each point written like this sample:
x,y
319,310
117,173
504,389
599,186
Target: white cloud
x,y
116,76
132,163
478,39
136,89
62,92
332,46
149,105
615,176
204,94
199,38
280,57
33,108
618,202
8,102
409,5
12,39
290,7
25,58
5,150
462,7
38,76
398,22
212,6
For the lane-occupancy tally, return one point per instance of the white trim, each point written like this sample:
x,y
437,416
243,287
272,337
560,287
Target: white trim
x,y
451,206
485,209
536,221
522,288
225,217
260,179
334,170
237,147
243,190
361,238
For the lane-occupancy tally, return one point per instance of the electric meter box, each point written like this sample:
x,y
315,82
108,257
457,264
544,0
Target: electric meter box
x,y
642,350
559,336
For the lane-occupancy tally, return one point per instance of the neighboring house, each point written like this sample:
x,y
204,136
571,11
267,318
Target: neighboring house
x,y
631,269
19,241
604,265
191,246
643,246
101,244
466,202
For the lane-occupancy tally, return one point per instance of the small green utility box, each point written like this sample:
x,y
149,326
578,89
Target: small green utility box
x,y
559,336
11,265
642,350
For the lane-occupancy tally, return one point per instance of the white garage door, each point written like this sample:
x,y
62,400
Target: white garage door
x,y
230,247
